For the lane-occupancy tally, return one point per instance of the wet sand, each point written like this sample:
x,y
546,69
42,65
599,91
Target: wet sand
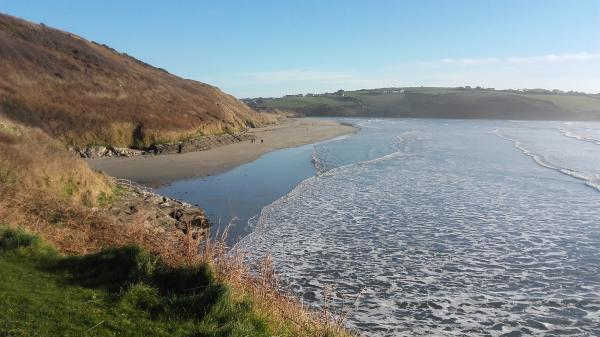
x,y
162,169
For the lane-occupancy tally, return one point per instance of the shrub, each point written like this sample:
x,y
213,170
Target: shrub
x,y
11,239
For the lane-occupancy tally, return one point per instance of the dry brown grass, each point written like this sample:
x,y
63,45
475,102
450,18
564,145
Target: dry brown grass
x,y
35,174
76,230
49,191
84,93
287,315
30,158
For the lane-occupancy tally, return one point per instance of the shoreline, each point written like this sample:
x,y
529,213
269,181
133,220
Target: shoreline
x,y
157,170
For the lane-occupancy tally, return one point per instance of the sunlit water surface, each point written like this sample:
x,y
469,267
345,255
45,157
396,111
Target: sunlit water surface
x,y
452,227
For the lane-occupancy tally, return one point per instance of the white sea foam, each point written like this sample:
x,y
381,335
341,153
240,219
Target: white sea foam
x,y
572,134
319,161
589,179
443,245
319,164
368,124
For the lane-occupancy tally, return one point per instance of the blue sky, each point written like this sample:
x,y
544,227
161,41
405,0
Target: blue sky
x,y
271,48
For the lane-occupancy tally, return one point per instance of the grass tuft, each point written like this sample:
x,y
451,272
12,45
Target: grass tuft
x,y
12,239
141,296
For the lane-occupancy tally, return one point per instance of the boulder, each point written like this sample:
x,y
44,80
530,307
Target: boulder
x,y
127,152
169,148
97,152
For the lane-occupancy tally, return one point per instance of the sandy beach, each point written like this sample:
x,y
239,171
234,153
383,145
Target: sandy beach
x,y
162,169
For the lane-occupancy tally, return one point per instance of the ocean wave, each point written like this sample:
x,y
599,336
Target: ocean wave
x,y
324,158
366,124
400,143
319,161
588,179
571,134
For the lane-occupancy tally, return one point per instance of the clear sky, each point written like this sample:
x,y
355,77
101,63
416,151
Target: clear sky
x,y
271,48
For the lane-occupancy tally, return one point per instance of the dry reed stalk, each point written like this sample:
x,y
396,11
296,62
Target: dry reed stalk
x,y
265,288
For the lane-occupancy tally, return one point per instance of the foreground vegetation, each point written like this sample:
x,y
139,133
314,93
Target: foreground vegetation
x,y
123,291
70,267
128,291
441,102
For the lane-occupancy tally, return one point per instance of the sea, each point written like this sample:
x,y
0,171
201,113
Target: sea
x,y
428,227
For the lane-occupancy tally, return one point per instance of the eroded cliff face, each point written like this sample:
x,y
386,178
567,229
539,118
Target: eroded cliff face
x,y
190,145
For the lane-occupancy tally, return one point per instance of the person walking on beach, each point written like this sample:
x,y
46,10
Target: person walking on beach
x,y
262,141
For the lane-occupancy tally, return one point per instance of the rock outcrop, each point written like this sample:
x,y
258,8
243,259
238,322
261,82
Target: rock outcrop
x,y
105,151
200,144
191,145
161,214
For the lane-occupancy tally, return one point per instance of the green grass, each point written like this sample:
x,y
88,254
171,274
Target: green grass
x,y
443,102
118,292
106,199
299,102
7,177
569,102
69,187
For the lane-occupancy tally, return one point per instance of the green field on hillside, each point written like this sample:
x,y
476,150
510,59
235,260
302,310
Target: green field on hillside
x,y
300,102
442,102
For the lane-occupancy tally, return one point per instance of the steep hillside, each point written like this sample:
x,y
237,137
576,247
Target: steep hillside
x,y
441,102
85,93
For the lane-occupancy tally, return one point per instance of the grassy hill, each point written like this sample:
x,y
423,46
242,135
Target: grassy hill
x,y
443,103
84,93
